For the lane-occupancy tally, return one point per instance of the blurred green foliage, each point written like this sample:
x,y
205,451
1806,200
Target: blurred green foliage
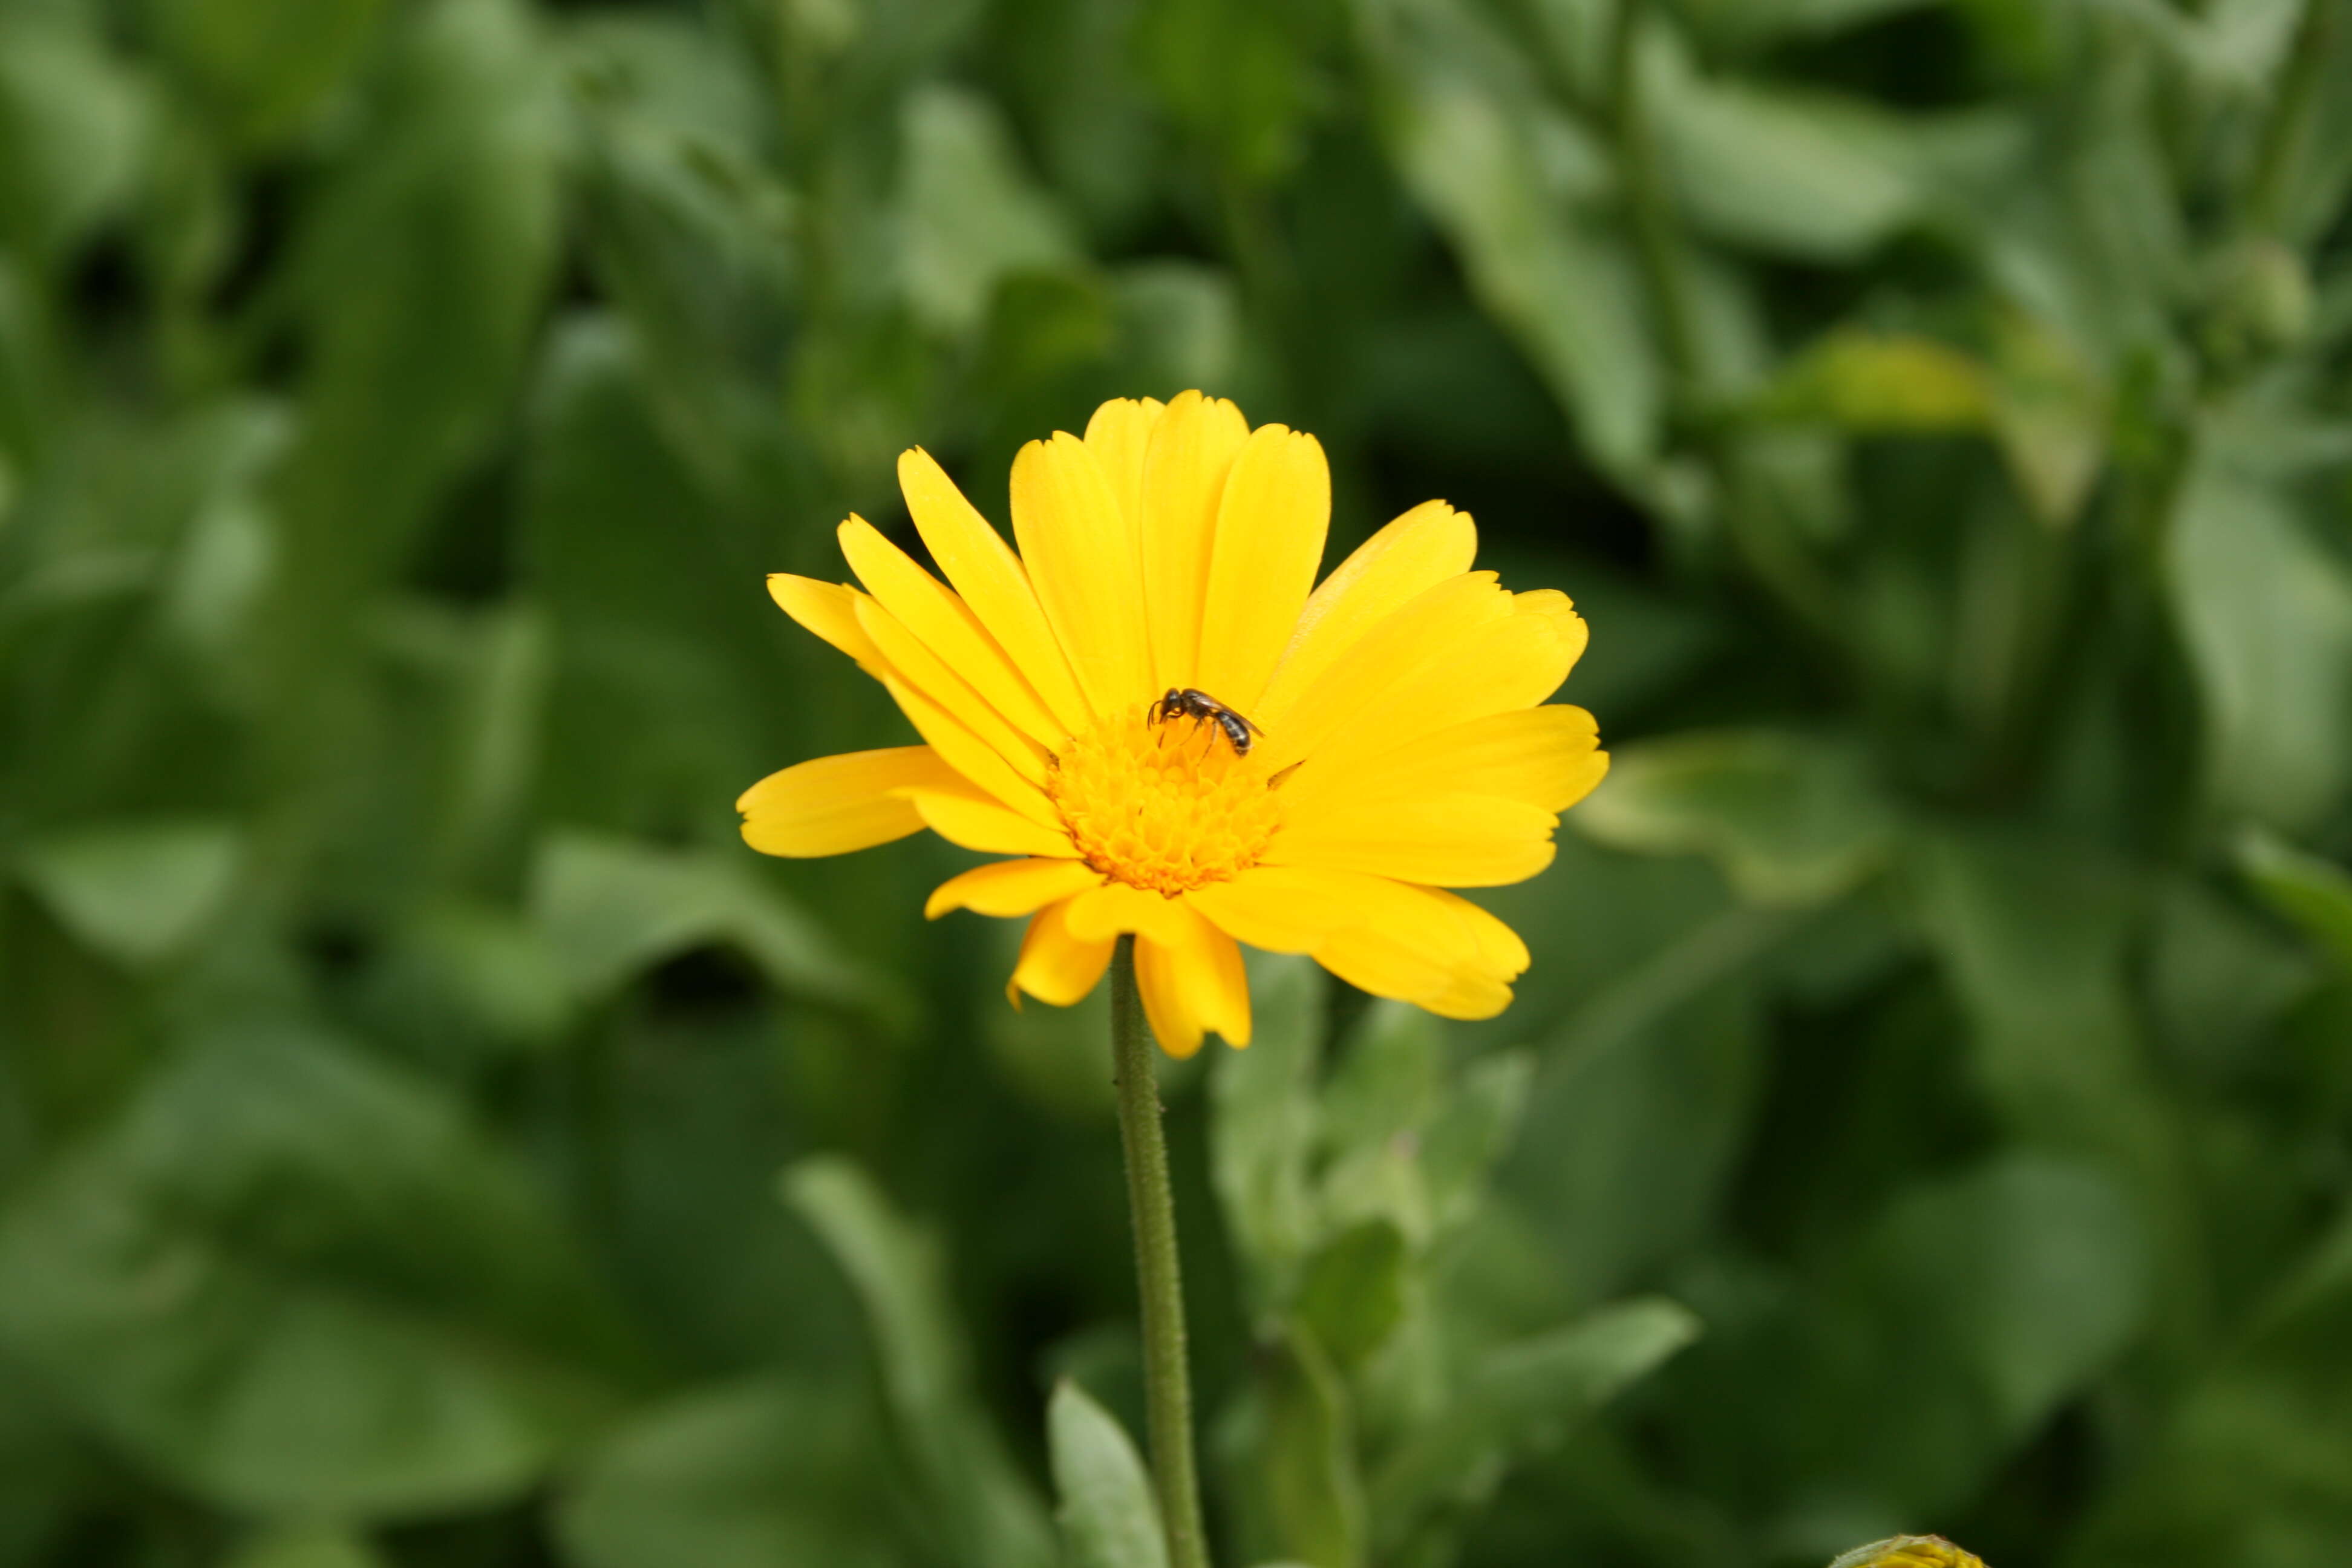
x,y
1930,1107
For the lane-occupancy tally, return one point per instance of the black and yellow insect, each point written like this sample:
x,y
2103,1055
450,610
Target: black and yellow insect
x,y
1183,701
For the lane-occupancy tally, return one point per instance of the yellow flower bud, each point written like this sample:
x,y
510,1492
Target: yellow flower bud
x,y
1909,1552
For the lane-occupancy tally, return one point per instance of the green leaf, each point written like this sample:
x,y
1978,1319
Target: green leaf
x,y
418,278
610,909
2034,938
1180,326
2267,617
294,1282
498,724
1932,1350
971,214
1802,174
306,1546
1263,1126
982,1504
1518,1400
1109,1517
222,574
1472,1132
1293,1457
2315,894
1791,819
1388,1079
1351,1293
1504,176
644,646
1234,74
2220,977
1643,1094
742,1474
262,69
74,125
1044,326
2026,1277
137,892
690,230
2253,1463
478,974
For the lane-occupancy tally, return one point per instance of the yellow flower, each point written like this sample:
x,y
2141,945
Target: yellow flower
x,y
1400,746
1909,1552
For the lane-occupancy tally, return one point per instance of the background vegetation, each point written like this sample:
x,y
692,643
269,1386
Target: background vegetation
x,y
1929,1105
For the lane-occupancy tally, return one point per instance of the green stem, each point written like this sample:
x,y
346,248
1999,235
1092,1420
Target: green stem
x,y
1168,1384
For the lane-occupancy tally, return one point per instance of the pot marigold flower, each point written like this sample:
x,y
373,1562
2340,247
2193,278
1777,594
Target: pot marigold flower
x,y
1181,736
1909,1552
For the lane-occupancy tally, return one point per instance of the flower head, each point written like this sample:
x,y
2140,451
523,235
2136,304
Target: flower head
x,y
1178,734
1908,1552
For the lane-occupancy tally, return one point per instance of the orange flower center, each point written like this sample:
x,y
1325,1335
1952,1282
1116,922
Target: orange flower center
x,y
1167,805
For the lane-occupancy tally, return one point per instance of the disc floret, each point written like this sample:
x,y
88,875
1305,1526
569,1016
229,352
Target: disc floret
x,y
1162,803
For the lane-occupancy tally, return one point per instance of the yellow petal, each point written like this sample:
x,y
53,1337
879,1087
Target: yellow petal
x,y
1287,908
1451,841
1118,435
1561,610
1547,757
1055,967
1387,965
914,665
991,581
1469,998
830,610
1360,710
1193,450
1271,521
1421,945
1353,693
1081,553
1390,570
1011,887
1498,945
835,805
1509,664
972,757
1115,909
969,817
1193,985
947,628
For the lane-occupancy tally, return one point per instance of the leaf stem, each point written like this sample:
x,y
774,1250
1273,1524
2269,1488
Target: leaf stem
x,y
1151,1205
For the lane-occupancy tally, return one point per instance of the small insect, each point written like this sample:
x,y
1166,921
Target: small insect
x,y
1202,708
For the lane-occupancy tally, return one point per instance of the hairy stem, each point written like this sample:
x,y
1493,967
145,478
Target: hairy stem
x,y
1151,1205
